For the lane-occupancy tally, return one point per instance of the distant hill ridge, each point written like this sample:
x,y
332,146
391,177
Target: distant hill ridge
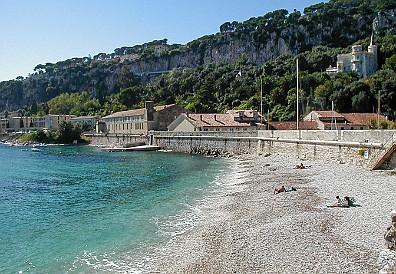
x,y
256,41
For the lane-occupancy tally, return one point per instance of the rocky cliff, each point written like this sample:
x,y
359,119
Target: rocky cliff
x,y
232,47
249,42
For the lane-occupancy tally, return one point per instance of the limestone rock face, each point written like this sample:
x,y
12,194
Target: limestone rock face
x,y
222,48
291,40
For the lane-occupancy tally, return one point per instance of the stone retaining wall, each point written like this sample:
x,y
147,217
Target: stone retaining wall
x,y
364,154
116,140
361,148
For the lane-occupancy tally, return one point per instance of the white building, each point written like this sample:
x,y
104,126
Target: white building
x,y
138,121
364,63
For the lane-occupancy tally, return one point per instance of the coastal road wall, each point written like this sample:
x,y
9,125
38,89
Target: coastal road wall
x,y
361,148
354,147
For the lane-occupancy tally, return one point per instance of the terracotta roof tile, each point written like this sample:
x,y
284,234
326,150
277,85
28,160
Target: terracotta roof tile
x,y
247,113
131,112
361,119
215,120
329,114
135,112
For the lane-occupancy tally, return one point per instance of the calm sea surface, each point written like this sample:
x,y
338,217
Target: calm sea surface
x,y
82,210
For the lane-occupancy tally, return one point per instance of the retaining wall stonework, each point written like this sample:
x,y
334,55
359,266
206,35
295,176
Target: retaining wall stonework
x,y
361,148
116,140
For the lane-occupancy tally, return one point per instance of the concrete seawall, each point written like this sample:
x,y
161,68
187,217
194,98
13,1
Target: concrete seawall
x,y
362,148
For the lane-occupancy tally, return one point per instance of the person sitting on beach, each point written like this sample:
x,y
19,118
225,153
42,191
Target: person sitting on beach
x,y
390,234
348,201
340,202
279,190
292,188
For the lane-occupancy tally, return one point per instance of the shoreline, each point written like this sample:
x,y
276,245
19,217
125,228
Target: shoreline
x,y
248,229
251,230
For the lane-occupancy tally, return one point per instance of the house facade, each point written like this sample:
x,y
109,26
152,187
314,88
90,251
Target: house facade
x,y
52,121
138,121
364,63
232,120
25,123
86,122
332,120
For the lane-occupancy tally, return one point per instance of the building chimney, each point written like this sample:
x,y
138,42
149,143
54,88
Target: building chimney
x,y
149,110
215,117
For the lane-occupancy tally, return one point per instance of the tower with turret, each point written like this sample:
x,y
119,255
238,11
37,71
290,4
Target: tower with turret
x,y
364,63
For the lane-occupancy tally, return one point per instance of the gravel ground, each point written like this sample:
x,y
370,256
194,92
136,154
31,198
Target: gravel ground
x,y
248,229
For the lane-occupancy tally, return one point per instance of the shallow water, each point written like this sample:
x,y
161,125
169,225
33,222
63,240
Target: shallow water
x,y
81,210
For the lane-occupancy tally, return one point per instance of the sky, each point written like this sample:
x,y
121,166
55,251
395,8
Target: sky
x,y
36,32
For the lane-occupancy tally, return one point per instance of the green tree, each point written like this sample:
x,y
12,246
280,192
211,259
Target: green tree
x,y
130,96
39,136
390,63
67,132
34,107
362,100
384,83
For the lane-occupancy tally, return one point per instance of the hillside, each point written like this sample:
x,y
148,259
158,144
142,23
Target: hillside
x,y
202,73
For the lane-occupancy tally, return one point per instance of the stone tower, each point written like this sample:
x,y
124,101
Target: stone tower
x,y
372,49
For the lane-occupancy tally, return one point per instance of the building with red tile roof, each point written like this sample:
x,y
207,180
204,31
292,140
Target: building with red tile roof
x,y
232,120
343,121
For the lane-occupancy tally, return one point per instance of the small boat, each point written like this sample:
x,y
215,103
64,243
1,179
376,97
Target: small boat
x,y
35,149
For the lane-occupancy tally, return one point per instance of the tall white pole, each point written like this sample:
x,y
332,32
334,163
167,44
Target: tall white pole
x,y
332,114
379,110
297,96
261,102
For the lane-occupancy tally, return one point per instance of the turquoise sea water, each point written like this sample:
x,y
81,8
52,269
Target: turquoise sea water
x,y
80,209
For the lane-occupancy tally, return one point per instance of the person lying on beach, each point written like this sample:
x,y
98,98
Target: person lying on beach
x,y
283,189
300,166
279,190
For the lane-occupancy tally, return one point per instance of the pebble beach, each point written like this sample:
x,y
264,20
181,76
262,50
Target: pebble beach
x,y
249,229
